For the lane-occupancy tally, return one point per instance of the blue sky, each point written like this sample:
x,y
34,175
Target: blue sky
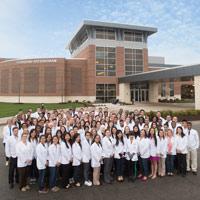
x,y
42,28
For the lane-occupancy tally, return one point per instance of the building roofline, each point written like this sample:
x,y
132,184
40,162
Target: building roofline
x,y
148,29
174,72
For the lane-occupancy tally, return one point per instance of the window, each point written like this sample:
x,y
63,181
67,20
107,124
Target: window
x,y
171,88
105,92
163,91
133,36
133,61
108,34
105,61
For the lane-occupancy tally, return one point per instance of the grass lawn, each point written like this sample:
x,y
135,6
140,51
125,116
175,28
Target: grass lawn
x,y
11,109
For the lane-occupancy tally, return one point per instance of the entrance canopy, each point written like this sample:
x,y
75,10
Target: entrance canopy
x,y
172,73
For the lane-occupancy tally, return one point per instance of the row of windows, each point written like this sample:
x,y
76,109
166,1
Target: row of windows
x,y
110,34
105,92
106,61
171,89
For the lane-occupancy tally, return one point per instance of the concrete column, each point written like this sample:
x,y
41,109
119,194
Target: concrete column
x,y
153,92
124,93
197,92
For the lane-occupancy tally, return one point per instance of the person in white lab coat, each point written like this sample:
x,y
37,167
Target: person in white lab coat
x,y
132,155
193,145
171,152
77,159
33,172
54,162
119,155
66,160
24,158
7,131
96,159
108,153
182,150
154,152
144,152
42,163
86,153
10,151
162,150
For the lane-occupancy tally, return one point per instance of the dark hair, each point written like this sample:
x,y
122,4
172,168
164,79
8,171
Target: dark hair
x,y
117,137
29,138
159,133
15,128
182,133
74,139
41,137
55,136
63,139
95,138
136,133
154,135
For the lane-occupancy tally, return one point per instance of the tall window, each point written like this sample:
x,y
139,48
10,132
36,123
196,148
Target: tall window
x,y
105,61
102,33
133,36
171,88
163,90
133,61
105,92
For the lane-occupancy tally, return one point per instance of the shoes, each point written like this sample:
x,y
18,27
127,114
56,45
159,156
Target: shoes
x,y
43,191
23,189
55,189
27,187
194,173
88,183
7,163
67,186
77,184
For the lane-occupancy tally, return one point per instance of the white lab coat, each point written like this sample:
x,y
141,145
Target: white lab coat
x,y
54,154
86,153
24,152
108,147
162,148
96,154
34,145
7,132
66,153
193,140
119,149
41,156
174,144
132,148
10,147
144,147
154,150
182,144
77,154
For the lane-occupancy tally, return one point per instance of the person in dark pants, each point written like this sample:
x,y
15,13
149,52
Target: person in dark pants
x,y
119,155
66,158
182,151
42,156
108,152
86,153
11,154
171,153
24,158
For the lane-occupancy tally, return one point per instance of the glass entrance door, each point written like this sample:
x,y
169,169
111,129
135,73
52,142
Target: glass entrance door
x,y
139,95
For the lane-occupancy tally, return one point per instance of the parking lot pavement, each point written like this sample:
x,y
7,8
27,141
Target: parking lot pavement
x,y
166,188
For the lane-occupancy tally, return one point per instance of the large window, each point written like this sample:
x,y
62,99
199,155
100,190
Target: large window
x,y
105,92
133,36
163,89
102,33
171,88
105,61
133,61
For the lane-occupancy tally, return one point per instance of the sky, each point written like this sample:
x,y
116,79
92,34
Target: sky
x,y
43,28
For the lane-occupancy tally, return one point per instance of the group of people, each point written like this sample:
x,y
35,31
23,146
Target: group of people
x,y
88,145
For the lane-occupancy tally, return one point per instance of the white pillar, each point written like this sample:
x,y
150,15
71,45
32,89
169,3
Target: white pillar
x,y
197,92
124,93
153,92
